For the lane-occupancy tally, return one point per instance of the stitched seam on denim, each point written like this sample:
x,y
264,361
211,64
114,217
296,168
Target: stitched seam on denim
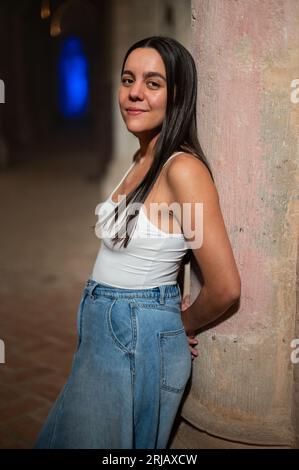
x,y
112,334
169,308
172,332
134,327
96,295
164,384
81,320
132,361
102,292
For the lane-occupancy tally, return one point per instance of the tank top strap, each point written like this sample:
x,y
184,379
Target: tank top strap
x,y
117,186
173,155
129,169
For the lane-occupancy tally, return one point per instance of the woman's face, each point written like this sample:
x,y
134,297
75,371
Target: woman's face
x,y
143,86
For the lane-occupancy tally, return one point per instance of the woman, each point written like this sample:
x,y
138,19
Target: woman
x,y
136,338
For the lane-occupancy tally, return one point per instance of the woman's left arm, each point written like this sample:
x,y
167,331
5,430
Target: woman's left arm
x,y
190,182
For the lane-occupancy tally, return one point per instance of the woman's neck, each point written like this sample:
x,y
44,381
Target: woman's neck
x,y
146,150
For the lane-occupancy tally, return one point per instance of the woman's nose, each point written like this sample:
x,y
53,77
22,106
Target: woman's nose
x,y
136,90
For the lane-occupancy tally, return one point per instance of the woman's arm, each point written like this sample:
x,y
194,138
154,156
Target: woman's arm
x,y
190,182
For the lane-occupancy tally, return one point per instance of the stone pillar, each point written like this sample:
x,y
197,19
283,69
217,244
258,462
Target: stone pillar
x,y
243,382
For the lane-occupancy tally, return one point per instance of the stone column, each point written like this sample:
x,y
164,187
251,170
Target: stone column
x,y
244,382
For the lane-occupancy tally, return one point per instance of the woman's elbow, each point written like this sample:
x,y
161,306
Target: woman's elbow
x,y
228,293
233,292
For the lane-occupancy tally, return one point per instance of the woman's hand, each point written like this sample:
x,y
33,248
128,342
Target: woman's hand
x,y
191,337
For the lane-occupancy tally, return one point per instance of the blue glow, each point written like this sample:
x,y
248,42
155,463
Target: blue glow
x,y
73,90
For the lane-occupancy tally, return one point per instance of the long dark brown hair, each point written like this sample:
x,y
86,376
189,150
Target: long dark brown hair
x,y
178,130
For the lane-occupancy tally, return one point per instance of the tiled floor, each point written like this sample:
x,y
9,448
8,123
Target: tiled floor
x,y
47,252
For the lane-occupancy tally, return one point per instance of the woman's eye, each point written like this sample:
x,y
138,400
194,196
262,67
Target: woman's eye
x,y
155,84
126,81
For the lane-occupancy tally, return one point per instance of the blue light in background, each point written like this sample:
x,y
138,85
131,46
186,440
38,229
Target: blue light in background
x,y
73,80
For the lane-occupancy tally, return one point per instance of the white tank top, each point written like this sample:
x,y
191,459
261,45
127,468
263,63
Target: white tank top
x,y
151,258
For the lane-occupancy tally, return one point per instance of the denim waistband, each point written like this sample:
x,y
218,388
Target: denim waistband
x,y
160,293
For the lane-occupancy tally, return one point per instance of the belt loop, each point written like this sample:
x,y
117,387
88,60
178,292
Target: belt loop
x,y
91,288
162,294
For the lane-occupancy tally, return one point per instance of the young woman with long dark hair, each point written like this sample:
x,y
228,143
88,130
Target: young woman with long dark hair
x,y
136,335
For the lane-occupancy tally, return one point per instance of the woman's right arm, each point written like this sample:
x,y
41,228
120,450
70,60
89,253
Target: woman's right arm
x,y
190,182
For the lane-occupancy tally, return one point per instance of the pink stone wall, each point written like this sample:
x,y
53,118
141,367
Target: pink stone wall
x,y
247,55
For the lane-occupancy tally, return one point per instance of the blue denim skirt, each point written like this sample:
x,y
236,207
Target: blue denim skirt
x,y
129,371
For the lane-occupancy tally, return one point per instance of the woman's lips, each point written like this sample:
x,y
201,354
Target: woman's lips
x,y
134,112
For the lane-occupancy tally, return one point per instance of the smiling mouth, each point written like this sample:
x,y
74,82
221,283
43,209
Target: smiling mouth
x,y
135,111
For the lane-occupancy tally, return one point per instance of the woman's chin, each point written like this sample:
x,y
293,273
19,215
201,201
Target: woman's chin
x,y
137,130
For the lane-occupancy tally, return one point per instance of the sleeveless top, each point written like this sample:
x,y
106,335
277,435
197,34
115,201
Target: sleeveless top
x,y
151,258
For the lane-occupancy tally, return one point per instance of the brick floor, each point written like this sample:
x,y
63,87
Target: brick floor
x,y
47,209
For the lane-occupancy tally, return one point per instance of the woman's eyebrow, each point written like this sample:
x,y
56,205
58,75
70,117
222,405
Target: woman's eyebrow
x,y
146,74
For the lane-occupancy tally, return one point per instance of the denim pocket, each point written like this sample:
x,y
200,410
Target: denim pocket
x,y
175,358
121,323
172,304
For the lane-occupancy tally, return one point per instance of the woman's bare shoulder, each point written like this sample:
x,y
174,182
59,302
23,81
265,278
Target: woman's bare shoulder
x,y
187,173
